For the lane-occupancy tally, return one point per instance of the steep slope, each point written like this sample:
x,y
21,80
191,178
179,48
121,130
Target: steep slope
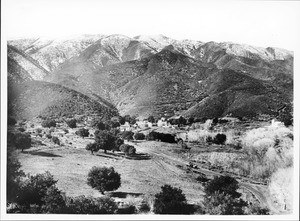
x,y
36,98
140,86
234,93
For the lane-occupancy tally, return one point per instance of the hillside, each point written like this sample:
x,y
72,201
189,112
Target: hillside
x,y
35,98
157,75
234,93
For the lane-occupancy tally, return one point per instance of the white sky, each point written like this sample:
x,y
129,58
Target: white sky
x,y
259,23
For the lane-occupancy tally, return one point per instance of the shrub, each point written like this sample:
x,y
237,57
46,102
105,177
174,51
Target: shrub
x,y
72,123
21,129
209,139
127,209
128,149
49,123
92,147
49,136
55,140
89,205
119,142
22,141
139,136
66,130
127,135
219,139
105,140
151,119
39,130
143,207
34,189
220,203
202,178
170,200
223,184
82,132
104,179
53,201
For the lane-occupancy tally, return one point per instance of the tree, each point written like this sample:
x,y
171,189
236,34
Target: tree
x,y
72,123
220,203
82,132
49,123
53,201
151,119
105,140
89,205
127,135
223,184
55,140
104,179
219,139
92,147
14,175
34,189
22,141
139,136
171,200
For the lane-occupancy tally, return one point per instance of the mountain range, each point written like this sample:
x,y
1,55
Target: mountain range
x,y
149,75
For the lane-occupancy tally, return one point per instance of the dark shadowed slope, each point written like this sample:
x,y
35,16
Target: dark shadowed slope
x,y
35,98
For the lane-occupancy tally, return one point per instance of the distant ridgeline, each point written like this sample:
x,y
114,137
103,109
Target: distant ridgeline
x,y
146,75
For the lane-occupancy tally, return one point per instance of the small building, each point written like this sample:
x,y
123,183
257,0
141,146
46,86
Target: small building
x,y
125,127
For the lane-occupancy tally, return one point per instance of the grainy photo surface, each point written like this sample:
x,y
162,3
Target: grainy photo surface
x,y
149,108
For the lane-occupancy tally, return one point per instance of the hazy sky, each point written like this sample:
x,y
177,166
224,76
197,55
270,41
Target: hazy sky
x,y
259,23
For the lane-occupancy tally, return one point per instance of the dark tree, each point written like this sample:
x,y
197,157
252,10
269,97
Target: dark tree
x,y
170,200
220,203
139,136
22,141
92,147
49,123
53,201
105,140
127,135
72,123
89,205
223,184
104,179
14,175
82,132
34,189
219,139
151,119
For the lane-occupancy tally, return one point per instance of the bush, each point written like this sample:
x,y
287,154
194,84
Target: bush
x,y
34,189
223,184
144,207
139,136
39,130
92,147
22,141
128,149
21,129
53,201
171,200
219,139
151,119
72,123
127,135
119,142
89,205
105,140
55,140
82,132
128,209
104,179
220,203
49,123
49,136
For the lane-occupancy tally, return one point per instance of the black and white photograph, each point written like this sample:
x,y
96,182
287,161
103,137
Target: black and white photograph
x,y
150,109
